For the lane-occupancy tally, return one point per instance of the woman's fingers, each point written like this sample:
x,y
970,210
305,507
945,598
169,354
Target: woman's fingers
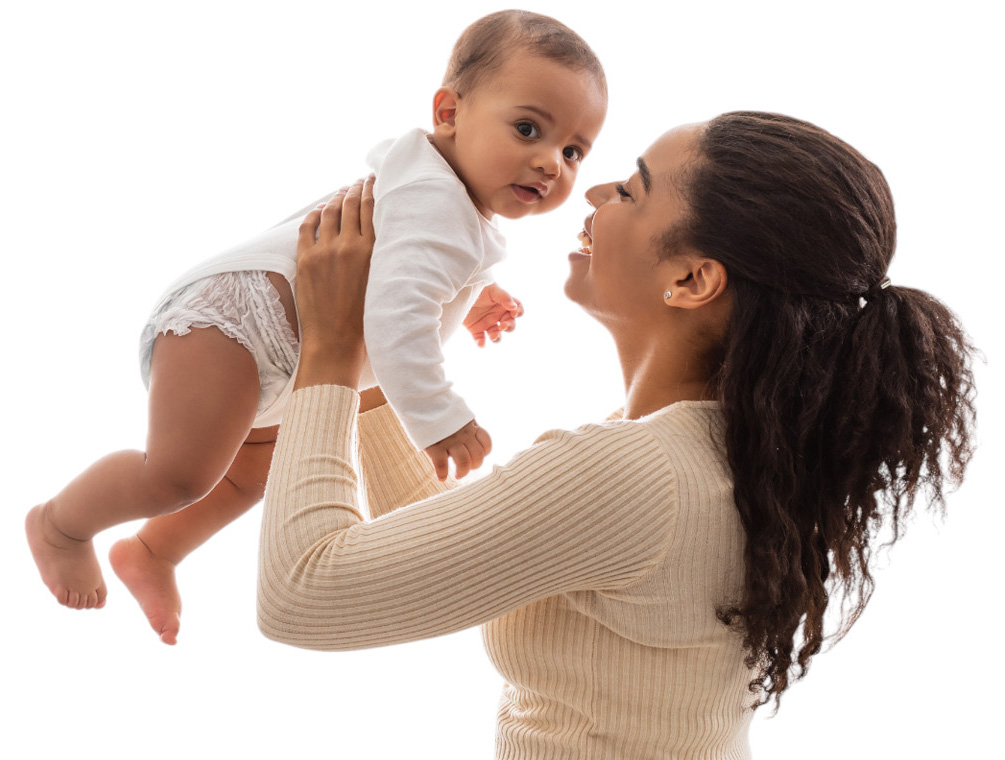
x,y
366,209
350,206
350,211
309,229
331,215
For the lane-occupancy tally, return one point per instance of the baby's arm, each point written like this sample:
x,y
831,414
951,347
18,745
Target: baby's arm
x,y
427,253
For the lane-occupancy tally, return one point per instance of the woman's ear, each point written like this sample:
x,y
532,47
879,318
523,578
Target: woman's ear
x,y
696,282
445,102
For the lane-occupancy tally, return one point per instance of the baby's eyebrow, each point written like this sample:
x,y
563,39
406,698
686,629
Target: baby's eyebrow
x,y
540,112
546,115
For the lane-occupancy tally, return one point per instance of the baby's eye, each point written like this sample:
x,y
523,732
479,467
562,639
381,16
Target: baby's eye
x,y
572,153
527,129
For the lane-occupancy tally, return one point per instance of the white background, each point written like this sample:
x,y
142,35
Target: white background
x,y
138,138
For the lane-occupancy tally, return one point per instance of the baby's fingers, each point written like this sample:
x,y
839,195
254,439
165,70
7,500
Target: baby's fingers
x,y
439,459
462,460
484,440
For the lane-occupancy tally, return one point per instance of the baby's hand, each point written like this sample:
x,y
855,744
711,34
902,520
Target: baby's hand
x,y
467,447
493,313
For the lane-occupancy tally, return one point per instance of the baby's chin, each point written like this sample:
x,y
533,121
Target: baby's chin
x,y
535,209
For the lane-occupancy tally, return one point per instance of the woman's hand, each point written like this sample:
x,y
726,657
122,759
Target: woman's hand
x,y
333,262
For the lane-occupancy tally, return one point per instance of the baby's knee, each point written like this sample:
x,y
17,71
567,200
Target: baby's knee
x,y
174,489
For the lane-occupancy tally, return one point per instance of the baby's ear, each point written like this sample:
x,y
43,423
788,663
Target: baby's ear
x,y
445,110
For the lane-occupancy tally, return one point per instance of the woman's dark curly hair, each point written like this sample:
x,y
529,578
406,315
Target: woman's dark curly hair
x,y
842,399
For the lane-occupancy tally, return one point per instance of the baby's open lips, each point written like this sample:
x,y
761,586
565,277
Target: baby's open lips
x,y
531,192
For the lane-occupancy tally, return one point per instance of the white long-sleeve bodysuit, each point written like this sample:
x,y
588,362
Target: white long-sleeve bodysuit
x,y
432,257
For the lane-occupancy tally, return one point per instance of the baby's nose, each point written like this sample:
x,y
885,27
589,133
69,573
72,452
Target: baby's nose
x,y
550,162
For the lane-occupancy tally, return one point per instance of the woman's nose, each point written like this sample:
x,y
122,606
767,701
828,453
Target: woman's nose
x,y
599,194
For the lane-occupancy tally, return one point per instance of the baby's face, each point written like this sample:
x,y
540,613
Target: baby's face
x,y
518,138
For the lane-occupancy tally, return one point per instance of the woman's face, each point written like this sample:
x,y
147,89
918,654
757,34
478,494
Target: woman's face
x,y
619,275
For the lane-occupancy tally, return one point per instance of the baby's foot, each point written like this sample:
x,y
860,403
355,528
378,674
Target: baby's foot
x,y
69,566
150,579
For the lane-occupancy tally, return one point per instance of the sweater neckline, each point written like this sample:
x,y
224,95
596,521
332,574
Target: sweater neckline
x,y
678,406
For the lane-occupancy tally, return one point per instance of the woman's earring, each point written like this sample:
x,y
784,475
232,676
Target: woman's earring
x,y
667,296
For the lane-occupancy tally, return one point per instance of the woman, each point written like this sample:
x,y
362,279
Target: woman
x,y
644,583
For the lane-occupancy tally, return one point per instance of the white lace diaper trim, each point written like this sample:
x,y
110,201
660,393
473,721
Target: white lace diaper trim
x,y
244,306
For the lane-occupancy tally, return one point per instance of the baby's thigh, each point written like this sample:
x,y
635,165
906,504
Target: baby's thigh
x,y
254,308
202,403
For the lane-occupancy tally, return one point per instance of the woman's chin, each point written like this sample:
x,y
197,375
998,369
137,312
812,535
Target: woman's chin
x,y
572,289
579,265
575,292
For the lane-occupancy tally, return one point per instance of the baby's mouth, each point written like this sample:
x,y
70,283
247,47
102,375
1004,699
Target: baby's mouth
x,y
528,193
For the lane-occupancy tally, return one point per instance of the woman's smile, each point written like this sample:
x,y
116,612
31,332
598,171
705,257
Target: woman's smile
x,y
586,250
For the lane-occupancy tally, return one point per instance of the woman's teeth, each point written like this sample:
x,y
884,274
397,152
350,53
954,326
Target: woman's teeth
x,y
587,243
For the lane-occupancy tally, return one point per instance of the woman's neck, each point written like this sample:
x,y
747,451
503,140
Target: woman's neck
x,y
656,377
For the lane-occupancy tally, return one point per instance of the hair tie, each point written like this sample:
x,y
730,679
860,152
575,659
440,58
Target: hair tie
x,y
874,291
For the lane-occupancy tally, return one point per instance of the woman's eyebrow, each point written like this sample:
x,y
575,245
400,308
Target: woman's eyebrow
x,y
645,174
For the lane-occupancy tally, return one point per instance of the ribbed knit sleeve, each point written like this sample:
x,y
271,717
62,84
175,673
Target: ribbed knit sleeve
x,y
582,510
395,473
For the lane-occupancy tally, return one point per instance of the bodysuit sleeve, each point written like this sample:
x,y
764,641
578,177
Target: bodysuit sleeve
x,y
428,253
592,509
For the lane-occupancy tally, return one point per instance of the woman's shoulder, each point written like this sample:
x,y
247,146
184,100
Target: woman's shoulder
x,y
687,426
688,436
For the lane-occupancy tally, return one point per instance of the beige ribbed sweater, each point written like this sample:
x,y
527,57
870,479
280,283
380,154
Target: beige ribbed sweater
x,y
594,560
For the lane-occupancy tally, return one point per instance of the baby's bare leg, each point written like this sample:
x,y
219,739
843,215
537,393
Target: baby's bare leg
x,y
146,562
203,399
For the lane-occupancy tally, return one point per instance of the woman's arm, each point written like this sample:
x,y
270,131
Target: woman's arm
x,y
592,509
394,472
333,263
586,510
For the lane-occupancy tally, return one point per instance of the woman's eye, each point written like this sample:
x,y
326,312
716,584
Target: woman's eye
x,y
620,189
573,153
526,129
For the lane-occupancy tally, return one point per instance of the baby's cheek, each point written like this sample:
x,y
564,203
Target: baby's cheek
x,y
559,195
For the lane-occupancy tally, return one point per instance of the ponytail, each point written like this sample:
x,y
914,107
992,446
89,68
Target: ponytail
x,y
843,399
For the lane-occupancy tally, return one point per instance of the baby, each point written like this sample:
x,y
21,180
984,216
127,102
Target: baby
x,y
521,103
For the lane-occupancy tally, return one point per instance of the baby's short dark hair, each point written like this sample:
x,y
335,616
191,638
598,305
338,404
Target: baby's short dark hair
x,y
485,46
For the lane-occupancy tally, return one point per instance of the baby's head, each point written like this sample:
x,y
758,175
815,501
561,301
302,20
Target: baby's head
x,y
522,101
